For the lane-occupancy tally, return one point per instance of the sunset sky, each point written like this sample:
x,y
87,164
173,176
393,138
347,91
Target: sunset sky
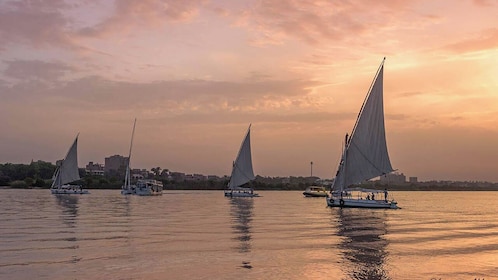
x,y
196,73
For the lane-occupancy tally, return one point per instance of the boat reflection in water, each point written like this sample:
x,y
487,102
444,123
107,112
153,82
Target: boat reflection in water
x,y
69,216
241,213
69,207
363,245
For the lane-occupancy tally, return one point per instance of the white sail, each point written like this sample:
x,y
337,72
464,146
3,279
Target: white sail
x,y
365,155
242,171
68,170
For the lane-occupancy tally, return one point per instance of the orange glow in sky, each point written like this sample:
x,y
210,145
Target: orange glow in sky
x,y
195,73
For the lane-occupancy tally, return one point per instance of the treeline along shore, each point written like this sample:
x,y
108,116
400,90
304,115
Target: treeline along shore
x,y
39,175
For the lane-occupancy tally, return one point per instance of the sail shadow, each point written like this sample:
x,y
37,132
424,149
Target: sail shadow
x,y
241,218
363,245
69,206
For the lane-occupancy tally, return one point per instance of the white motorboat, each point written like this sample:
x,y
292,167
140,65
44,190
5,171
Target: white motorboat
x,y
315,191
147,187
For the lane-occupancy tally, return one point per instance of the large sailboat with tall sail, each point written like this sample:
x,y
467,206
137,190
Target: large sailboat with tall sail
x,y
143,187
67,172
242,172
365,155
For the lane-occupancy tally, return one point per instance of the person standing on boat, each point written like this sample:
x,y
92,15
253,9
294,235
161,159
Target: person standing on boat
x,y
385,195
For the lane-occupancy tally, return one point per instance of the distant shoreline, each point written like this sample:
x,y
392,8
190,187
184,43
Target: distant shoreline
x,y
392,188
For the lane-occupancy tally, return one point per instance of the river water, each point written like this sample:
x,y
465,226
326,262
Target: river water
x,y
280,235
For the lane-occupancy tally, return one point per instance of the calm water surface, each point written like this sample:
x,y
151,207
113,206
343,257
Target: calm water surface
x,y
281,235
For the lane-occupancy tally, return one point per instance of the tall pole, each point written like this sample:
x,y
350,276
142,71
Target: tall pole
x,y
311,163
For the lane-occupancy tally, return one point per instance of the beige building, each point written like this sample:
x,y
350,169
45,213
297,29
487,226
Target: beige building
x,y
96,169
115,165
393,178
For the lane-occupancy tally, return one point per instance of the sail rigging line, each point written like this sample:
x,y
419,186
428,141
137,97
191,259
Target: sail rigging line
x,y
366,98
368,160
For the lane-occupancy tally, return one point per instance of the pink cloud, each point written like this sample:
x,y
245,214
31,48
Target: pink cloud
x,y
130,14
39,70
32,23
49,24
484,3
272,21
487,39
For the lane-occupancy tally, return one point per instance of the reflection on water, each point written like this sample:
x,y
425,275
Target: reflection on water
x,y
363,245
280,235
69,206
241,212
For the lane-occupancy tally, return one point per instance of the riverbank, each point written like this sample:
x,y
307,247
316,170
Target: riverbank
x,y
297,188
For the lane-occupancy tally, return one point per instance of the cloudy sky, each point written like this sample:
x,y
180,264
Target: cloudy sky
x,y
196,73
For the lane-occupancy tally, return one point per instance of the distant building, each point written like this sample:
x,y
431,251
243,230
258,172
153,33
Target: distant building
x,y
177,176
96,169
393,178
115,165
413,179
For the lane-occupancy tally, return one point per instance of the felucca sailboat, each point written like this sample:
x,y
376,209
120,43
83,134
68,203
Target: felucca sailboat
x,y
67,172
242,172
365,155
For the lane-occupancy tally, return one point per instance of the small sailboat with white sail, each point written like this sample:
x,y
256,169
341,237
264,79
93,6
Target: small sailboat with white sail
x,y
127,187
365,155
242,171
67,172
143,187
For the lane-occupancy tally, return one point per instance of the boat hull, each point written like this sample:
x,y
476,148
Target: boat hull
x,y
144,187
127,192
240,194
361,203
69,189
315,194
147,192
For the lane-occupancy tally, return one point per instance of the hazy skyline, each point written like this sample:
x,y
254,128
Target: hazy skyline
x,y
195,73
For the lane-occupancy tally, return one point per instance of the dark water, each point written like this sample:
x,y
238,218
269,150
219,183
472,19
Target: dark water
x,y
281,235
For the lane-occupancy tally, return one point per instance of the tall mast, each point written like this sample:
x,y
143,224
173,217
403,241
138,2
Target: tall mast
x,y
128,175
